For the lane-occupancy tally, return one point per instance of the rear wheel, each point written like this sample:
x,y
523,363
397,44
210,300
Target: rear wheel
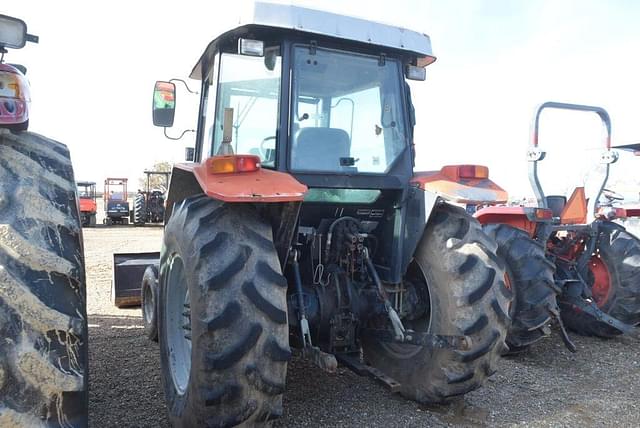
x,y
614,278
43,351
223,321
149,298
139,210
92,220
463,282
530,275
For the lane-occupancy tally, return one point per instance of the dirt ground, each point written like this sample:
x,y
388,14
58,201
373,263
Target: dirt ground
x,y
547,386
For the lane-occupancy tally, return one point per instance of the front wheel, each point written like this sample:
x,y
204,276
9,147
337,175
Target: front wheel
x,y
223,321
149,299
455,268
614,279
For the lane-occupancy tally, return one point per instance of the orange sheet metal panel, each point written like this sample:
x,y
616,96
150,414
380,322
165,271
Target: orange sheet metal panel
x,y
262,185
575,211
513,216
466,191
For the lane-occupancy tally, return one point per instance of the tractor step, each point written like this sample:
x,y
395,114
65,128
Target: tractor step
x,y
353,363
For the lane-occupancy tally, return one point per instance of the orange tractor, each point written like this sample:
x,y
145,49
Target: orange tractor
x,y
567,259
302,223
88,204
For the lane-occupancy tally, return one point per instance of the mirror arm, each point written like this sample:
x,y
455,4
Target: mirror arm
x,y
181,135
185,85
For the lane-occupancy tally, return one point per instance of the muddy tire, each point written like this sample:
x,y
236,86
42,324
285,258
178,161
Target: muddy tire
x,y
149,299
467,294
43,351
530,276
619,254
223,322
139,210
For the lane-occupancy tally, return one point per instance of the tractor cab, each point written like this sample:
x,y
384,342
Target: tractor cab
x,y
318,103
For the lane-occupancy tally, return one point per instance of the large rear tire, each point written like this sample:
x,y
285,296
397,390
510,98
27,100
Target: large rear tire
x,y
139,210
614,277
530,276
43,321
465,286
220,279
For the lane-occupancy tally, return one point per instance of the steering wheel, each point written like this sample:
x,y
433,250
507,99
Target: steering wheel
x,y
611,195
263,150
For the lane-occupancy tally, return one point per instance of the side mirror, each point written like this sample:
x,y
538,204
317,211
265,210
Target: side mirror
x,y
13,32
164,104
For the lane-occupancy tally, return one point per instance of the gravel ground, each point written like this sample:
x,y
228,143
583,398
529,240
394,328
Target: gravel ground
x,y
547,386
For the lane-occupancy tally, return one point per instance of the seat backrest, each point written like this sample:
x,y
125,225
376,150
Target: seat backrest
x,y
319,149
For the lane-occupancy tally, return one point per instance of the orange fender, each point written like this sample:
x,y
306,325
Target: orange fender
x,y
262,185
466,184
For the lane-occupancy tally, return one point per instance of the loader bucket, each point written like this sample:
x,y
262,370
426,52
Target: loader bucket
x,y
128,269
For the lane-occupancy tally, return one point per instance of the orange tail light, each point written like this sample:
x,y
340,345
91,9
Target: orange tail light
x,y
467,172
232,164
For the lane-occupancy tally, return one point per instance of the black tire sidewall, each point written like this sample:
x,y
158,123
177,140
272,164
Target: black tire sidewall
x,y
150,282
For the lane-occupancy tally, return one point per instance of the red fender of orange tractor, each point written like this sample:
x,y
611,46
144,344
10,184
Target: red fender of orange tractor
x,y
524,218
239,178
466,184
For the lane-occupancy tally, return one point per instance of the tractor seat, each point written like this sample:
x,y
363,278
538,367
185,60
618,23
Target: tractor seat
x,y
319,149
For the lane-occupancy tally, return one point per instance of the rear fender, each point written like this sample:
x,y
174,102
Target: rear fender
x,y
448,185
277,195
524,218
429,189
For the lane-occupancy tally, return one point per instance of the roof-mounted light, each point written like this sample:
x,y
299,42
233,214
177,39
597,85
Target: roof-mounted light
x,y
251,47
416,73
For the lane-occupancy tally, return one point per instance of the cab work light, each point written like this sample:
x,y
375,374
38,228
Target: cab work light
x,y
416,73
251,47
233,163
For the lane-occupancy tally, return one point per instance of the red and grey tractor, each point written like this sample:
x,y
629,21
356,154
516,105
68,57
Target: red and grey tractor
x,y
88,203
43,319
302,223
567,259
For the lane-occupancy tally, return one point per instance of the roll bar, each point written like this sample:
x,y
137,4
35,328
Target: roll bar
x,y
534,154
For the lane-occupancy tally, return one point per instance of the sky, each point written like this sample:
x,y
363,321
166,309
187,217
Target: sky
x,y
93,71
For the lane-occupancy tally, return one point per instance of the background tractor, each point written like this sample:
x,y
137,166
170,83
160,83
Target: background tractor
x,y
88,204
43,321
302,223
568,257
149,204
116,201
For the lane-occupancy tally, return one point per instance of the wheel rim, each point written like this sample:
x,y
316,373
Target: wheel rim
x,y
422,325
148,304
178,324
601,288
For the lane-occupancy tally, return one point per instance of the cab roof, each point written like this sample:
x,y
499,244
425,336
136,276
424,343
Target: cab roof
x,y
263,17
